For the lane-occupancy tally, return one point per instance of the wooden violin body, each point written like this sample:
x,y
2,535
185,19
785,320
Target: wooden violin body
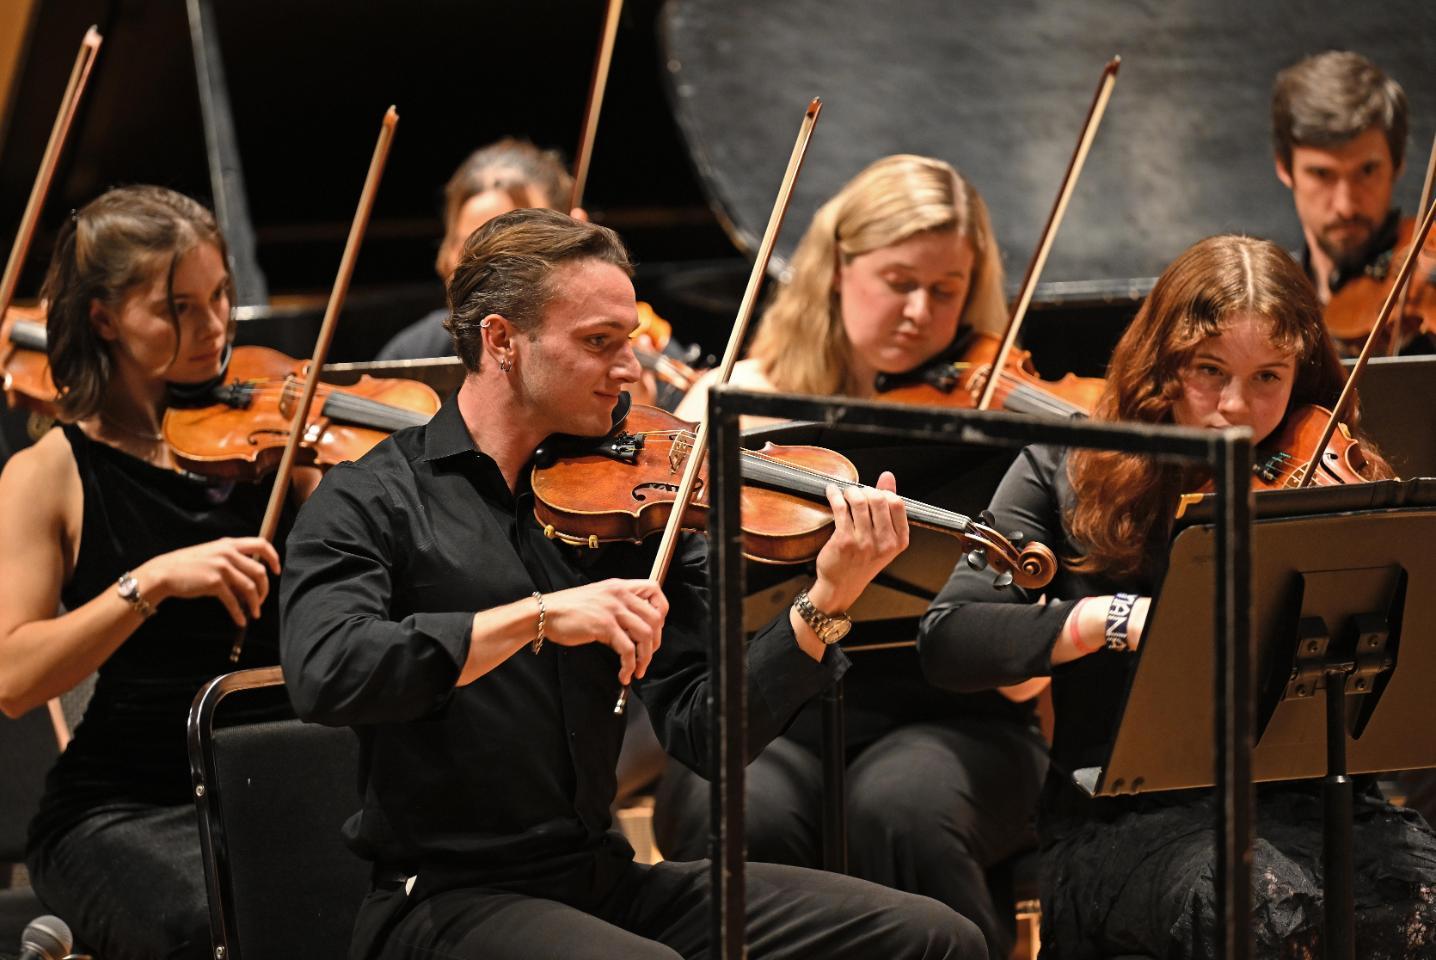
x,y
1284,459
24,364
622,489
242,434
1020,390
1354,308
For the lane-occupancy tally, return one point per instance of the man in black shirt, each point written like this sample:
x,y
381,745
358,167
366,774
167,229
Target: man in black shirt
x,y
488,738
1339,132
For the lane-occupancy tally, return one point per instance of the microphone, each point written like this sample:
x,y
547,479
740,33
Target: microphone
x,y
46,938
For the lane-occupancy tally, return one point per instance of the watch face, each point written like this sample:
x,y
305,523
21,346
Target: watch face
x,y
835,630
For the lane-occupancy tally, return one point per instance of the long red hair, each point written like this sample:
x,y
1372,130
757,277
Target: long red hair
x,y
1122,514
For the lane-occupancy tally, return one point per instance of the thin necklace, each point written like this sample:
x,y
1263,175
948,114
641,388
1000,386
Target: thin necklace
x,y
126,428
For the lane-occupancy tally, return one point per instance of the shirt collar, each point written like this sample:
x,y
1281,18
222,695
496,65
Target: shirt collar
x,y
446,434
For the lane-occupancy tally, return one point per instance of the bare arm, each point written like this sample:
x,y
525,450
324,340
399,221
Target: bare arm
x,y
42,655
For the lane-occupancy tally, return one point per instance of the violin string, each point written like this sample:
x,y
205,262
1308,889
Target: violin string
x,y
814,482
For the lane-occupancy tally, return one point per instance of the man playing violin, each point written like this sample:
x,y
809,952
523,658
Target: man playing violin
x,y
423,605
1339,128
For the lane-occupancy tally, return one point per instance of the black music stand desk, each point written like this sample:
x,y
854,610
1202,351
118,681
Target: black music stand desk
x,y
1342,601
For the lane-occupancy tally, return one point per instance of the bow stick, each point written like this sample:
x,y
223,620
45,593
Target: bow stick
x,y
681,499
297,424
1049,233
597,85
1347,392
1395,346
49,161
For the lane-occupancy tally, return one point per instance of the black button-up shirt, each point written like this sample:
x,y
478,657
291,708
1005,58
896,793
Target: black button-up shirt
x,y
386,565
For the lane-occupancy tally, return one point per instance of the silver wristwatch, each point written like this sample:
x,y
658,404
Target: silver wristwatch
x,y
129,590
829,627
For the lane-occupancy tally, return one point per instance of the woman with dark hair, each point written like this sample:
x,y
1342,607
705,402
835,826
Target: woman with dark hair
x,y
1231,335
155,569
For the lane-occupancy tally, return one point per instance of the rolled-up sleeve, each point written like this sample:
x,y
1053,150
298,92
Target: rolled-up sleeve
x,y
345,660
781,677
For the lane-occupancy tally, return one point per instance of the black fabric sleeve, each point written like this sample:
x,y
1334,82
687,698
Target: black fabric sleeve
x,y
781,677
345,661
975,637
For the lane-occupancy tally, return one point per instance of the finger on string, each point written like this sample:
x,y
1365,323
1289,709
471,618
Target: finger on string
x,y
842,518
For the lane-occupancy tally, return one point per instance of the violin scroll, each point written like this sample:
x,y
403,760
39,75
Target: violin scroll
x,y
1031,567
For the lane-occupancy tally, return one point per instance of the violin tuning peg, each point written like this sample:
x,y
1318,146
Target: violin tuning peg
x,y
1003,579
976,558
1015,536
986,518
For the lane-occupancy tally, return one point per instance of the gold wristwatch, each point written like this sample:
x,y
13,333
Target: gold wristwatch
x,y
829,627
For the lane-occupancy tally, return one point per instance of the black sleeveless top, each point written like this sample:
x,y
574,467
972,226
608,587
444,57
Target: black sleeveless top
x,y
130,746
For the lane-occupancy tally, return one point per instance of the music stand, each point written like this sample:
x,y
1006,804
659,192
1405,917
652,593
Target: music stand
x,y
1337,604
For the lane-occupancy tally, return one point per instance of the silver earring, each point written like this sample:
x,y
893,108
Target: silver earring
x,y
483,324
506,365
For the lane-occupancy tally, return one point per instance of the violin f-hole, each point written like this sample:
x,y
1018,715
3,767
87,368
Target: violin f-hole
x,y
640,496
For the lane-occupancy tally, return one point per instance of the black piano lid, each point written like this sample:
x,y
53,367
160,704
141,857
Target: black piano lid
x,y
1000,90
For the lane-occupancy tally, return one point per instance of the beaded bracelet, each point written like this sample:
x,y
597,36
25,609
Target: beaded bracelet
x,y
537,643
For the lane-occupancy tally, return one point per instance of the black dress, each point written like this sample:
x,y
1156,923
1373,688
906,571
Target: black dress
x,y
1133,875
114,848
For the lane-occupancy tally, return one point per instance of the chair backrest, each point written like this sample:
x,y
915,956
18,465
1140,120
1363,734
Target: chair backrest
x,y
28,749
272,795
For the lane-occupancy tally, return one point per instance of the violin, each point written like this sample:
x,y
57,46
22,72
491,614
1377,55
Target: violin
x,y
622,488
651,339
1353,309
24,364
1284,459
1019,389
241,435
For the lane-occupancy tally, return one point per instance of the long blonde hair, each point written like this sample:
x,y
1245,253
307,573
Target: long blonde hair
x,y
801,345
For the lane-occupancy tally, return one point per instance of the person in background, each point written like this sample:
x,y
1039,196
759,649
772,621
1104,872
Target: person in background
x,y
897,269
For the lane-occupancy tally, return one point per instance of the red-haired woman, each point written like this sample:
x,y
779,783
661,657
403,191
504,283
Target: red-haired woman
x,y
1231,335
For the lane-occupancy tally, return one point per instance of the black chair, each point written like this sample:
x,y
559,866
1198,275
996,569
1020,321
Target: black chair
x,y
272,795
28,748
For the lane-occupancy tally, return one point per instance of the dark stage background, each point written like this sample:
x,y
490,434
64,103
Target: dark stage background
x,y
999,89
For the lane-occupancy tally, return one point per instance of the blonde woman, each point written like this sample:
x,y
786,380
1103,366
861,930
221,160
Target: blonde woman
x,y
895,270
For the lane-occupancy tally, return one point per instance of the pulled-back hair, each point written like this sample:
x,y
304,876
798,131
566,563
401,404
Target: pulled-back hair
x,y
117,242
1327,99
1123,505
801,344
506,267
530,176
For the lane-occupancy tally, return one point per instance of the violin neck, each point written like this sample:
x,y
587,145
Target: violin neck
x,y
363,412
1023,397
762,469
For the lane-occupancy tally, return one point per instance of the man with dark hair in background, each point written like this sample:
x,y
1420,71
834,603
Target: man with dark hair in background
x,y
1339,127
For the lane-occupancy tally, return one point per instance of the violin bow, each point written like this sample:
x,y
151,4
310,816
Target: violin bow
x,y
1049,233
1395,346
1408,267
669,542
297,423
49,161
597,85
